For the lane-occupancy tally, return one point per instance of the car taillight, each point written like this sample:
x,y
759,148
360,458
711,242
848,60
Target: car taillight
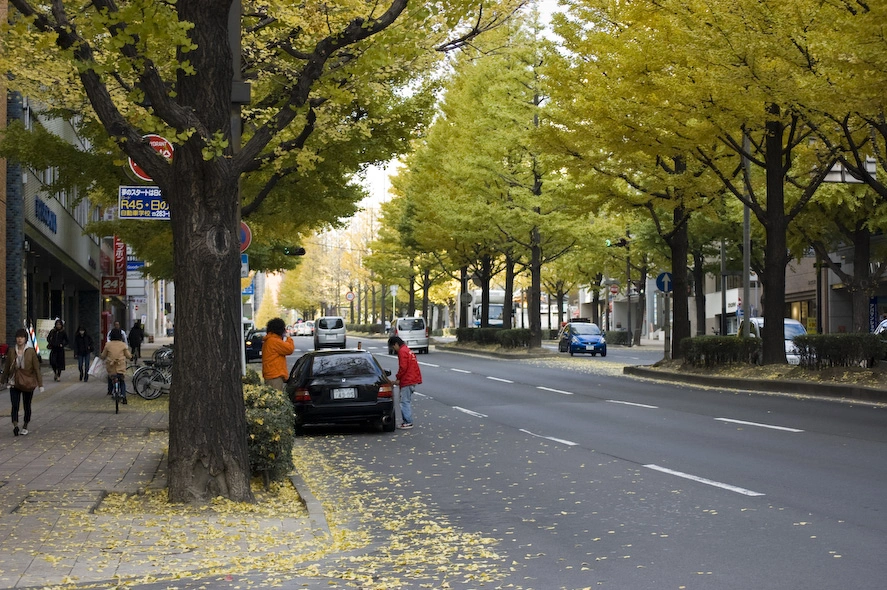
x,y
426,331
302,395
386,390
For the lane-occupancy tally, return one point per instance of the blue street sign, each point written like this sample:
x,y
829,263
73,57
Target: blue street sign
x,y
132,265
664,283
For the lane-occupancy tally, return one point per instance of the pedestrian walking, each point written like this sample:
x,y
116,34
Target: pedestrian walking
x,y
115,354
56,341
136,335
407,378
116,326
275,348
83,348
21,373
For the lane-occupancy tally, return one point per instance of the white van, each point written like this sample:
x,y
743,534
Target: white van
x,y
790,329
413,331
329,332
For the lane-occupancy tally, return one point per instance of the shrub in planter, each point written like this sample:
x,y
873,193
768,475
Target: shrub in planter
x,y
251,377
269,417
465,334
708,351
514,338
818,351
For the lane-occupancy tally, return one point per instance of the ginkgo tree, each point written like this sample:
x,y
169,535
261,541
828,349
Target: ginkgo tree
x,y
173,69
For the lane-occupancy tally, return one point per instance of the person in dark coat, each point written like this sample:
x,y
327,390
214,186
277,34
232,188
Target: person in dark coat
x,y
136,335
56,341
82,350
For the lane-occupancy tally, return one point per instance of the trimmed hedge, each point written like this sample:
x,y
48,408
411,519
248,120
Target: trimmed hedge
x,y
617,337
515,338
818,351
708,351
269,417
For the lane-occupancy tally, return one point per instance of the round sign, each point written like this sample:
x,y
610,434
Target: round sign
x,y
159,144
614,289
349,296
246,236
465,298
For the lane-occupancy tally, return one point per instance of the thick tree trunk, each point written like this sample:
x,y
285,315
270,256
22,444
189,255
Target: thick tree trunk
x,y
507,303
680,247
699,290
535,292
464,302
596,301
776,253
862,287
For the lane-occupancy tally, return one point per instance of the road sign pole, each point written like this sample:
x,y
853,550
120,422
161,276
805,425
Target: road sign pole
x,y
668,326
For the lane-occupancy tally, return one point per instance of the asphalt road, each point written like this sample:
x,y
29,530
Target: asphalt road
x,y
590,479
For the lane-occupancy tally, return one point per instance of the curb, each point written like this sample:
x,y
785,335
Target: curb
x,y
830,390
319,525
498,355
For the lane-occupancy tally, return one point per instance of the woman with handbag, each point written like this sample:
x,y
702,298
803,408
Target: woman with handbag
x,y
22,374
56,341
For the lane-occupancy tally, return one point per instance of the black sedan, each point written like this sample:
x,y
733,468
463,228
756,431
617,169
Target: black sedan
x,y
341,386
253,345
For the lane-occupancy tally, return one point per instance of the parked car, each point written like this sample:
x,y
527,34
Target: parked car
x,y
341,386
582,337
253,345
413,331
790,329
305,328
329,332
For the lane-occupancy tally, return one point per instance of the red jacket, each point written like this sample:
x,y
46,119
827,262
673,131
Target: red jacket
x,y
407,367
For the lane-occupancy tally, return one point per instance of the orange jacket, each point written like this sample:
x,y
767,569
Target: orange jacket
x,y
274,353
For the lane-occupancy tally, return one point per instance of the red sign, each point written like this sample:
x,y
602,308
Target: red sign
x,y
119,257
114,286
246,236
161,145
614,289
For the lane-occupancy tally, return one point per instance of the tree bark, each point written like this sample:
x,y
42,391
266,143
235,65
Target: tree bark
x,y
535,292
680,247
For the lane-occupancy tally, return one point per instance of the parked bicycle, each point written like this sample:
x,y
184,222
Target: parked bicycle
x,y
154,377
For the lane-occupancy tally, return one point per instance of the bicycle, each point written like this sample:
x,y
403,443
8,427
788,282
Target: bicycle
x,y
152,380
118,391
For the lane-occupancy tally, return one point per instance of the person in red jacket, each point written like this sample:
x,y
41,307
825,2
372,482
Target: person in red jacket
x,y
275,348
407,378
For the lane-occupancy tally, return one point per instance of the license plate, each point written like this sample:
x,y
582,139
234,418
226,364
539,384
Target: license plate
x,y
589,347
345,393
412,343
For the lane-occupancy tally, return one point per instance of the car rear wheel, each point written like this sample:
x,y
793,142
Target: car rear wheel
x,y
389,423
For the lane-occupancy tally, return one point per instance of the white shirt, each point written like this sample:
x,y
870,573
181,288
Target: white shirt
x,y
122,331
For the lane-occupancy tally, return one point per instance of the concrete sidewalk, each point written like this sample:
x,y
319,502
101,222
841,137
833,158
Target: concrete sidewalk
x,y
78,452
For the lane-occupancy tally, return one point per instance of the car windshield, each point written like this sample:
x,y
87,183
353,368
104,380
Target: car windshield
x,y
342,365
792,330
586,329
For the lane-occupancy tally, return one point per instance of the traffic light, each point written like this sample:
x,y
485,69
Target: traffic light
x,y
293,251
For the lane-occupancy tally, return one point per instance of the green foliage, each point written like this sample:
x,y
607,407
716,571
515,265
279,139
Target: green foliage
x,y
269,416
251,377
818,351
709,351
514,338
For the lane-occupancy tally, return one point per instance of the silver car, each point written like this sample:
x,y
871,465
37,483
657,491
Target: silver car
x,y
413,331
329,332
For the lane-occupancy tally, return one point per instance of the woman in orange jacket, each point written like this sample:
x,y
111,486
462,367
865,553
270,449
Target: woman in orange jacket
x,y
276,347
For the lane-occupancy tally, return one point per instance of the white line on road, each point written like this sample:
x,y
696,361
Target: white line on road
x,y
497,379
616,401
709,482
470,413
551,438
460,370
771,426
428,364
555,390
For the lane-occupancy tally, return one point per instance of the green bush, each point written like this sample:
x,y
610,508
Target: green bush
x,y
708,351
251,377
515,338
617,337
819,351
465,334
269,416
